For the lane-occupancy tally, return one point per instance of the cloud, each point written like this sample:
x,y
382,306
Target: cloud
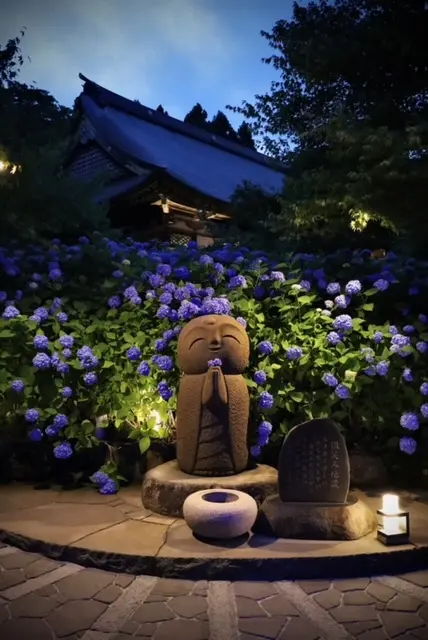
x,y
121,44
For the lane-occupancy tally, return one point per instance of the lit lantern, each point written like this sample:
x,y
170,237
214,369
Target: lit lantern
x,y
394,525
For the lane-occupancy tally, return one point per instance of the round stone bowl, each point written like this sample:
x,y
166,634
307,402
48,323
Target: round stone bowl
x,y
220,513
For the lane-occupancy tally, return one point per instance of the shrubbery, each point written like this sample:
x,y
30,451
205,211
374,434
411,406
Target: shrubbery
x,y
89,332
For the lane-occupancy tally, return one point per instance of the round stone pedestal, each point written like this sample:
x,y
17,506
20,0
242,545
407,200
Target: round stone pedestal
x,y
166,487
315,521
219,513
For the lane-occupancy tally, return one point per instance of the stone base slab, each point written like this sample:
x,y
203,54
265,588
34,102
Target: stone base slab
x,y
166,487
314,521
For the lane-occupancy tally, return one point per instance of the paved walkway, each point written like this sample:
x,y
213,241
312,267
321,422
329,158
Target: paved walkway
x,y
41,599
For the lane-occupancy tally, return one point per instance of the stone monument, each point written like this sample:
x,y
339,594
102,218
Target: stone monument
x,y
212,420
313,484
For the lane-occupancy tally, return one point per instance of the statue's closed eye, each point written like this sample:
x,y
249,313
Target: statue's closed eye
x,y
228,335
194,342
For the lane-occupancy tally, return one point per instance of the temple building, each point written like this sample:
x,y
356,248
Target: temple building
x,y
163,178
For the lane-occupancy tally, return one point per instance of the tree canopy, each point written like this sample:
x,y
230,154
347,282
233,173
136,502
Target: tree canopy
x,y
348,111
220,126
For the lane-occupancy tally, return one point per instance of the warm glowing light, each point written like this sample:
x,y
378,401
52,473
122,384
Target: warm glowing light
x,y
155,414
392,525
2,165
390,505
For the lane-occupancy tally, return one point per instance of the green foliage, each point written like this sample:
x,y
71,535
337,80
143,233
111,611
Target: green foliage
x,y
348,113
282,311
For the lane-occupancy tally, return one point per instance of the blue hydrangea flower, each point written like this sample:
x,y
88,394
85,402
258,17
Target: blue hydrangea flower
x,y
353,287
265,429
108,488
32,416
165,298
169,335
165,391
51,431
67,353
66,341
408,375
330,380
165,363
400,340
182,273
424,410
342,301
382,368
393,330
67,392
334,338
62,317
277,276
63,368
342,392
163,312
216,306
61,421
156,280
55,274
266,400
368,354
205,260
424,388
18,386
255,450
370,371
100,478
117,274
242,321
409,329
41,361
260,377
10,312
381,284
114,302
90,379
216,362
410,421
144,368
63,451
378,337
135,300
333,288
422,347
41,342
188,310
164,270
161,345
237,281
265,348
343,323
133,353
408,445
36,435
130,292
294,353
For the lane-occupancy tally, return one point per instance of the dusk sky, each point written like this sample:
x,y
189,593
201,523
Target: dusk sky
x,y
173,52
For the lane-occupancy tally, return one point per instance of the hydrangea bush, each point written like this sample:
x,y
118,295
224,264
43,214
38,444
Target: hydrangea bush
x,y
89,337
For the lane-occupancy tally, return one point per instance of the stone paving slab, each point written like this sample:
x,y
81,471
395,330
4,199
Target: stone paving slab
x,y
117,533
69,602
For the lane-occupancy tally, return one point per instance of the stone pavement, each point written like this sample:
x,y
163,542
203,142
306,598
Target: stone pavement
x,y
42,599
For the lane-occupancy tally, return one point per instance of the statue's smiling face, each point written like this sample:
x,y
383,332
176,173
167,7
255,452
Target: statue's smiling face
x,y
210,337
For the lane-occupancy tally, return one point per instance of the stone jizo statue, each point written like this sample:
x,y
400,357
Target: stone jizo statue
x,y
213,401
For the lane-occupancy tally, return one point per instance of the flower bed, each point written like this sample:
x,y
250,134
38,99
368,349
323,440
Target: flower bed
x,y
89,332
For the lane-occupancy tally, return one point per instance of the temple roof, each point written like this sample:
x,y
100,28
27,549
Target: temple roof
x,y
144,138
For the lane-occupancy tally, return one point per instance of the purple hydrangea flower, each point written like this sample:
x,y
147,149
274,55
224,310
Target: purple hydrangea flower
x,y
255,450
41,361
55,274
353,287
62,317
408,445
342,301
67,392
266,400
156,281
216,362
41,342
342,392
424,410
18,386
265,428
32,416
100,478
381,284
108,488
277,276
163,312
165,363
165,298
130,292
330,380
334,338
368,354
182,273
424,388
408,375
242,321
333,288
410,421
63,368
260,377
161,345
61,421
66,341
237,281
114,302
294,353
90,379
382,368
378,337
343,323
133,353
164,270
11,312
409,329
63,451
400,340
188,310
216,306
36,435
144,368
265,348
67,353
422,347
165,391
370,371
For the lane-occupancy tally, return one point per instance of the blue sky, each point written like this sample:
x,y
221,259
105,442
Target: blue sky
x,y
173,52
